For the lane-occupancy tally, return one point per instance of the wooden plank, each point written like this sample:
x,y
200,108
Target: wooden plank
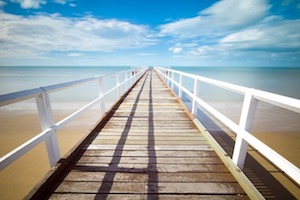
x,y
145,160
145,114
181,153
142,188
141,127
83,196
157,138
157,132
146,124
156,119
146,147
136,133
143,177
140,122
143,168
204,188
156,142
155,104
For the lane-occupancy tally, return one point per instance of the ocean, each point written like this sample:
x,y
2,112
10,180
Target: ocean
x,y
13,79
280,80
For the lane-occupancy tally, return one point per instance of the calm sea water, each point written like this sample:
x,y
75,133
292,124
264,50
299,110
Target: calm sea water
x,y
13,79
284,81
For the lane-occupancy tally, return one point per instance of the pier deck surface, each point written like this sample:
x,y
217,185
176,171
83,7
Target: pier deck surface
x,y
148,148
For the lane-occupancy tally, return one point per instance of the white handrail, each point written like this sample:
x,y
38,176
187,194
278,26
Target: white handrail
x,y
243,129
48,126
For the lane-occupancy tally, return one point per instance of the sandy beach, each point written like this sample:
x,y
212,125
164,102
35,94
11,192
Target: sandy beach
x,y
277,128
19,125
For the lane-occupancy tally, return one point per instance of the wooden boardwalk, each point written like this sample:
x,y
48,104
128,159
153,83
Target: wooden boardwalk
x,y
147,147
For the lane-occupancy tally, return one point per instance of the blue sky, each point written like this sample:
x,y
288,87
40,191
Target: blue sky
x,y
150,32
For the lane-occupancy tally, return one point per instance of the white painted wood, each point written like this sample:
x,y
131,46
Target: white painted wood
x,y
46,121
11,98
288,103
44,110
180,86
126,80
246,122
195,94
52,148
118,85
101,95
172,82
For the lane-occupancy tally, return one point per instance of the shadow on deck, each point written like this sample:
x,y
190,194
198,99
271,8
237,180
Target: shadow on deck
x,y
262,179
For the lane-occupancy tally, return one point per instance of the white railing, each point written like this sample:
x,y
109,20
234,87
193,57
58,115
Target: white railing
x,y
243,129
47,124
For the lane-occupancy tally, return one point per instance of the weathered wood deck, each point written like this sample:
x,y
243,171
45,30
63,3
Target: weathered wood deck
x,y
147,148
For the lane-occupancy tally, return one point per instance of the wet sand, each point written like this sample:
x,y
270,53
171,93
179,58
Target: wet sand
x,y
279,129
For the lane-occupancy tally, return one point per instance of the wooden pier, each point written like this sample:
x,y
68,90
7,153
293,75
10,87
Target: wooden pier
x,y
146,147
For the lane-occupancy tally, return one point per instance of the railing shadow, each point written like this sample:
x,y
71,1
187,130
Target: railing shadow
x,y
112,169
269,186
106,185
152,161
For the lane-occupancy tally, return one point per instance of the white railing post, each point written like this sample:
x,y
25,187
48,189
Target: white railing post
x,y
172,82
246,122
130,76
179,87
46,122
118,84
167,77
195,93
126,80
100,93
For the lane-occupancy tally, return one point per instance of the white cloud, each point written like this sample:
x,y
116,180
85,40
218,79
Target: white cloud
x,y
60,1
34,4
236,13
43,34
75,54
235,30
26,4
202,50
177,48
63,2
280,36
275,39
223,16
